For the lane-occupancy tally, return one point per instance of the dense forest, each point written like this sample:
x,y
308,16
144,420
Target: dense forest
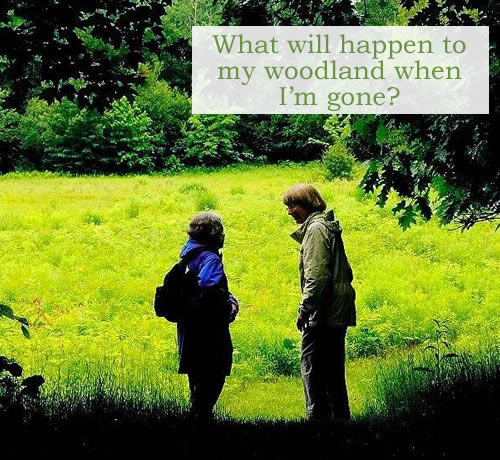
x,y
104,87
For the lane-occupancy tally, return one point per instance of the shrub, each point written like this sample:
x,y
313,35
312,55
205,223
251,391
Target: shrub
x,y
133,210
63,137
169,110
338,162
193,187
211,139
9,135
364,342
35,125
127,134
92,218
283,137
74,139
280,359
206,201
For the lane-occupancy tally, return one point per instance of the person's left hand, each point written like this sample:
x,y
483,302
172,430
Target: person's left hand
x,y
302,322
234,311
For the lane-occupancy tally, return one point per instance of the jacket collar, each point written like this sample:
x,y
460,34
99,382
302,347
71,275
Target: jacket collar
x,y
298,235
328,219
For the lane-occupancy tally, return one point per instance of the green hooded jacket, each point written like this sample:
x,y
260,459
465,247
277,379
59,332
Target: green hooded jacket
x,y
328,297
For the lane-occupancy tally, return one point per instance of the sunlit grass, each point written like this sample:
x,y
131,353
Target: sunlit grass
x,y
80,257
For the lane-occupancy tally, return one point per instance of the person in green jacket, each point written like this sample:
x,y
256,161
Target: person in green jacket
x,y
327,306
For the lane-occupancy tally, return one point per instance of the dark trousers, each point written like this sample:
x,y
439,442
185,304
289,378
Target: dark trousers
x,y
323,373
205,390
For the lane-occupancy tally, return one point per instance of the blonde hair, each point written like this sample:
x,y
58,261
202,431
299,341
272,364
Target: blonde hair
x,y
304,195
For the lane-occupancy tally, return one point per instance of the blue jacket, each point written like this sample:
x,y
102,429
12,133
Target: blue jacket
x,y
203,339
207,264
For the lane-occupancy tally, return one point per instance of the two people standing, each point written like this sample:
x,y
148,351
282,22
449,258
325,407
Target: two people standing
x,y
326,309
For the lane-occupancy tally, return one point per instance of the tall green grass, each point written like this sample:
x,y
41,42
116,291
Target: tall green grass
x,y
81,256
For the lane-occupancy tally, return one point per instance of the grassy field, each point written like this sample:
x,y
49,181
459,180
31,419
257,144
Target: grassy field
x,y
80,257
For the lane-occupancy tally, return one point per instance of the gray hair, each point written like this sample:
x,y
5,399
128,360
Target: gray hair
x,y
207,228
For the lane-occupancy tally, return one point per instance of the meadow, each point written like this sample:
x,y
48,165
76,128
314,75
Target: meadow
x,y
80,258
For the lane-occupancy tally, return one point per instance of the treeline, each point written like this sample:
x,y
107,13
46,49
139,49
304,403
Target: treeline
x,y
103,87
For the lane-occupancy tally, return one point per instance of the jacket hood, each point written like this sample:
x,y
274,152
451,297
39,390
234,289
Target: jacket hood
x,y
190,245
327,218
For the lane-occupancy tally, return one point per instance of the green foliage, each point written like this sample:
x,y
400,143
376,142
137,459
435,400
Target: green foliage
x,y
418,155
379,12
289,13
127,132
51,46
35,128
337,159
169,110
182,15
364,342
280,358
206,201
410,387
175,52
210,140
92,218
193,187
133,210
88,292
9,134
338,162
8,312
439,345
12,386
283,137
74,139
443,12
457,164
62,136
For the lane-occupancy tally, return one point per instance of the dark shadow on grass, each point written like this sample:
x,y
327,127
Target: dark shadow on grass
x,y
458,418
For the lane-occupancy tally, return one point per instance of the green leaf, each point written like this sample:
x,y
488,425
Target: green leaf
x,y
399,207
21,320
423,369
408,218
6,311
382,133
25,331
450,355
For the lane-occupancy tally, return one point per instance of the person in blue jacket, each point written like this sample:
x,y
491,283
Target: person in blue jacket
x,y
204,341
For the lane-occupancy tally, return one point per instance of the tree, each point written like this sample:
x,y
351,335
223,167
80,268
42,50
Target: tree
x,y
175,53
455,156
290,13
87,51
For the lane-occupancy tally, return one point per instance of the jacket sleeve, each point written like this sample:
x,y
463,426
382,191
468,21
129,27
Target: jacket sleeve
x,y
316,268
211,271
214,297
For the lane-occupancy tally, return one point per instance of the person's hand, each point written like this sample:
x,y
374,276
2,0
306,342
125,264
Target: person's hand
x,y
302,322
234,312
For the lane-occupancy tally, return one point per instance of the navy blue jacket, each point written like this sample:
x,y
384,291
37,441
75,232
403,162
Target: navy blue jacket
x,y
203,336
